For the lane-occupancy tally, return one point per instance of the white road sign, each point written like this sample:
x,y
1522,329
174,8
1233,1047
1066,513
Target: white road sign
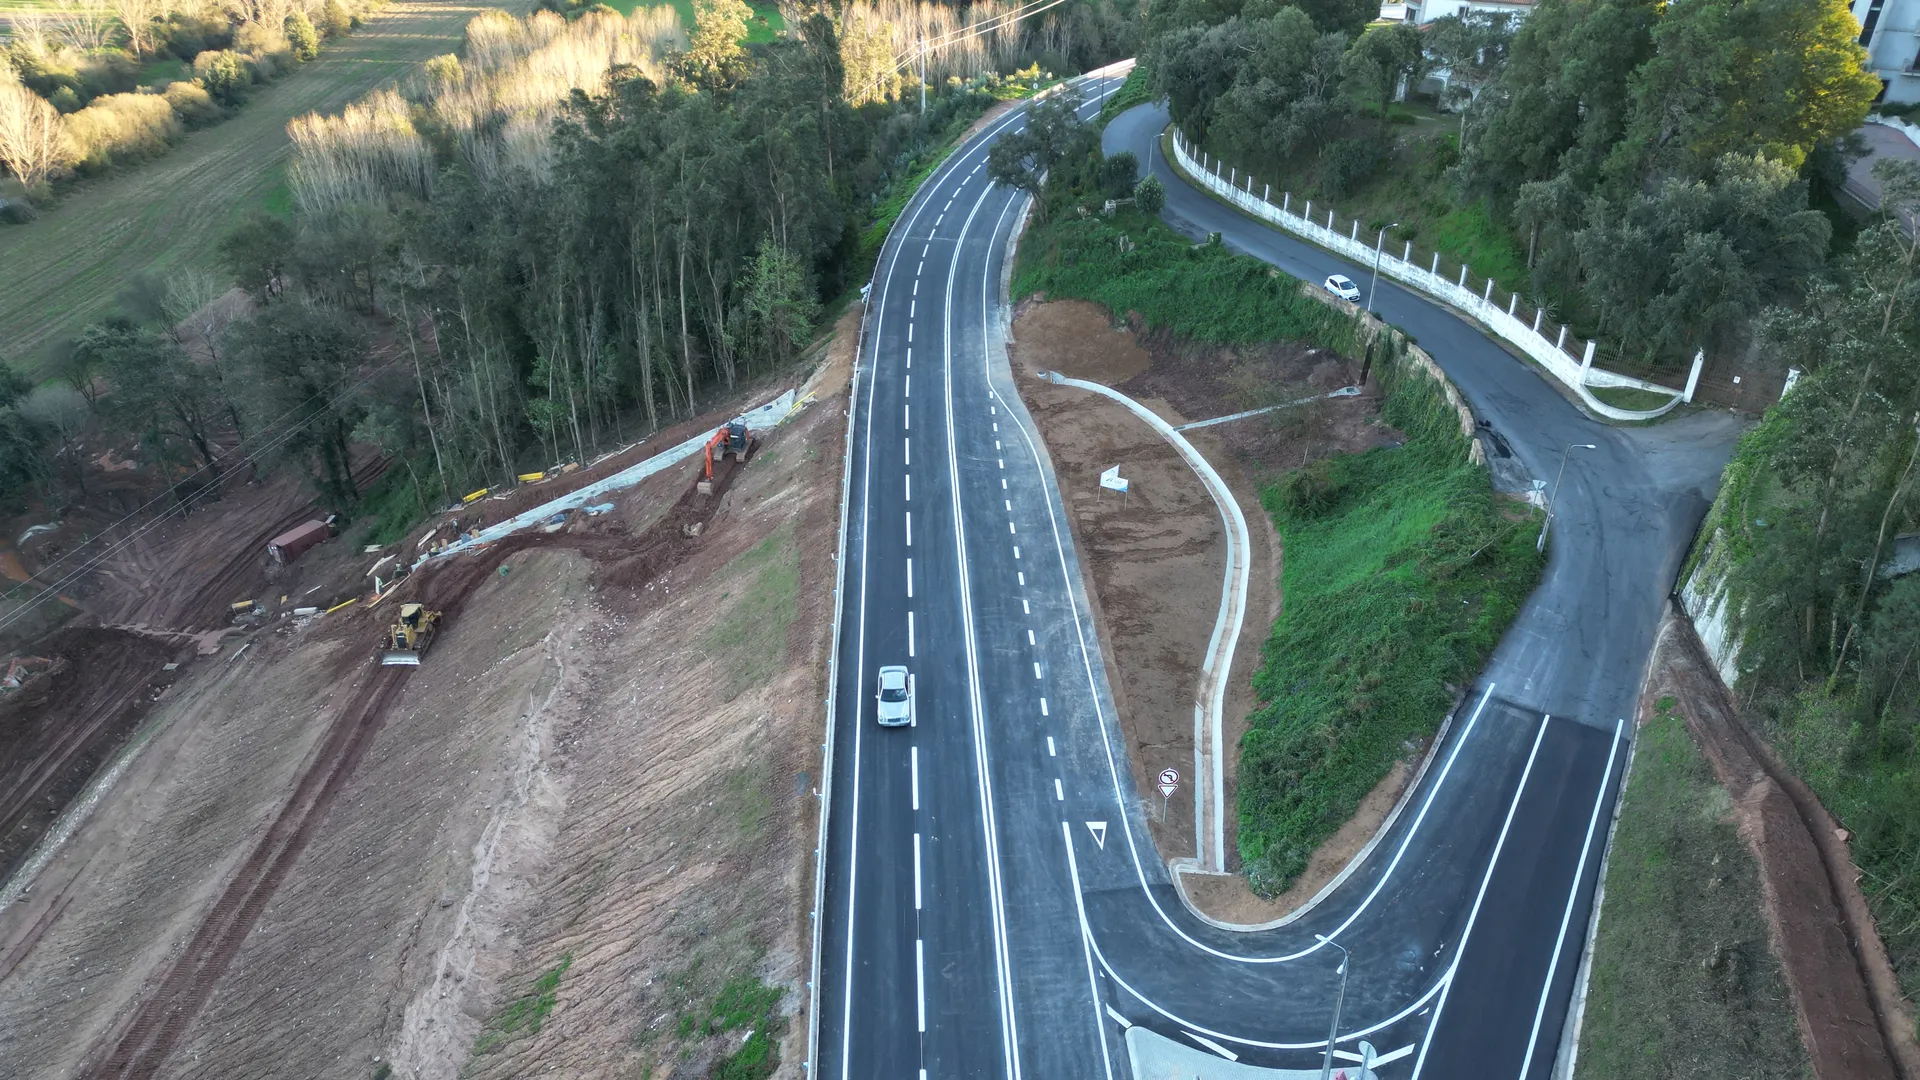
x,y
1169,780
1112,480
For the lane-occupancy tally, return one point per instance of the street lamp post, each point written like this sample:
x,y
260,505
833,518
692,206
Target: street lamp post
x,y
1326,1069
1375,283
1552,497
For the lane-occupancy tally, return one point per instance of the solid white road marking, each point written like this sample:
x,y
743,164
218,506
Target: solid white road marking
x,y
1378,1059
1059,793
1474,912
1573,893
920,980
916,871
1118,1019
913,765
1050,750
909,579
1213,1046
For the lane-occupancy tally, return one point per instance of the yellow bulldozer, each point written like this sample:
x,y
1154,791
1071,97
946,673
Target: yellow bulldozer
x,y
407,639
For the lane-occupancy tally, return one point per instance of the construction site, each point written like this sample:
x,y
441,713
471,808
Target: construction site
x,y
276,803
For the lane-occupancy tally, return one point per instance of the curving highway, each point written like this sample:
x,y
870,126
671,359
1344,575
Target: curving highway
x,y
991,903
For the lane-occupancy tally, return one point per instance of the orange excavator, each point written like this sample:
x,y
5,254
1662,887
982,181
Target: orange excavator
x,y
737,439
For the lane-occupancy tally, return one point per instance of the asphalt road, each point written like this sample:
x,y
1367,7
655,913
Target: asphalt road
x,y
993,905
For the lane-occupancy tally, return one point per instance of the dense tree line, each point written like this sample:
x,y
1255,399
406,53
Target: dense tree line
x,y
576,232
1653,159
1813,537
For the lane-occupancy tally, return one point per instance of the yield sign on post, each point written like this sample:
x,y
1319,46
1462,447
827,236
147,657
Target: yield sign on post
x,y
1112,480
1169,780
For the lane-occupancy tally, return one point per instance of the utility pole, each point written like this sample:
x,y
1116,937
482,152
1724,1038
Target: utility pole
x,y
923,78
1326,1069
1552,497
1375,283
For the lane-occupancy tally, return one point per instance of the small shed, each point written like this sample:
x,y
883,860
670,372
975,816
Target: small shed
x,y
294,543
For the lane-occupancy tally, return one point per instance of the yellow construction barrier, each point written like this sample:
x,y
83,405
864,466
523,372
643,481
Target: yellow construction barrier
x,y
340,605
481,494
240,606
530,477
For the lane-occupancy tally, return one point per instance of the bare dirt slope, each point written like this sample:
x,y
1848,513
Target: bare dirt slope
x,y
1157,561
600,775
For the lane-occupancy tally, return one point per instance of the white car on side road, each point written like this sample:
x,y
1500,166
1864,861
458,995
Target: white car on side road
x,y
1343,287
896,697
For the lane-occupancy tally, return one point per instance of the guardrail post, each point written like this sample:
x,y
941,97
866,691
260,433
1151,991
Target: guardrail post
x,y
1308,215
1487,295
1329,221
1234,177
1266,194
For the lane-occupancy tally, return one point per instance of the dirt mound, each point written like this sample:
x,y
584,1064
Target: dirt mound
x,y
60,727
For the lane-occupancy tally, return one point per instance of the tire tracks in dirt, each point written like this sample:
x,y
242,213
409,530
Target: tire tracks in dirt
x,y
141,1043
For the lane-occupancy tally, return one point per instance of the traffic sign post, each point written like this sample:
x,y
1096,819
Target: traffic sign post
x,y
1111,480
1169,783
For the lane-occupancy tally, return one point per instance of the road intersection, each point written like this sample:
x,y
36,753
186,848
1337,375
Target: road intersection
x,y
992,904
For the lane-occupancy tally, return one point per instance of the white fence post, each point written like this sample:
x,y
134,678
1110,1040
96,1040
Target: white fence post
x,y
1562,343
1586,363
1308,215
1286,201
1407,254
1463,275
1356,230
1513,300
1266,194
1436,265
1693,377
1487,295
1537,312
1329,221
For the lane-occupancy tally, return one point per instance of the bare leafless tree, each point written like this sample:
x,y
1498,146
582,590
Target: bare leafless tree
x,y
137,18
86,25
31,146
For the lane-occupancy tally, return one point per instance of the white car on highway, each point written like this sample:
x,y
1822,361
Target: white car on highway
x,y
1343,287
896,697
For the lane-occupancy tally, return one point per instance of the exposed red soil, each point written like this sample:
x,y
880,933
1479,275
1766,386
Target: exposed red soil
x,y
1845,996
63,724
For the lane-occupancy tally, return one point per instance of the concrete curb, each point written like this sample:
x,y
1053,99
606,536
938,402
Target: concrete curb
x,y
1210,703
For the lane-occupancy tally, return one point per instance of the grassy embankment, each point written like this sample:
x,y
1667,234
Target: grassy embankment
x,y
1402,569
62,271
1684,980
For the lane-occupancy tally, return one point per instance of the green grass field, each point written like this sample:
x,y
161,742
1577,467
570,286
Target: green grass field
x,y
62,271
1684,981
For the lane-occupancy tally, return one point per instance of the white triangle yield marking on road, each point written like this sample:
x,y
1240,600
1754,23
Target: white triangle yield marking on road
x,y
1099,831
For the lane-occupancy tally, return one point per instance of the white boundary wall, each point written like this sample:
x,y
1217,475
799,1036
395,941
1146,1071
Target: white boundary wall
x,y
1576,373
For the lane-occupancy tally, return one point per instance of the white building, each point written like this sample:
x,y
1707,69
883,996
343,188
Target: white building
x,y
1890,30
1421,12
